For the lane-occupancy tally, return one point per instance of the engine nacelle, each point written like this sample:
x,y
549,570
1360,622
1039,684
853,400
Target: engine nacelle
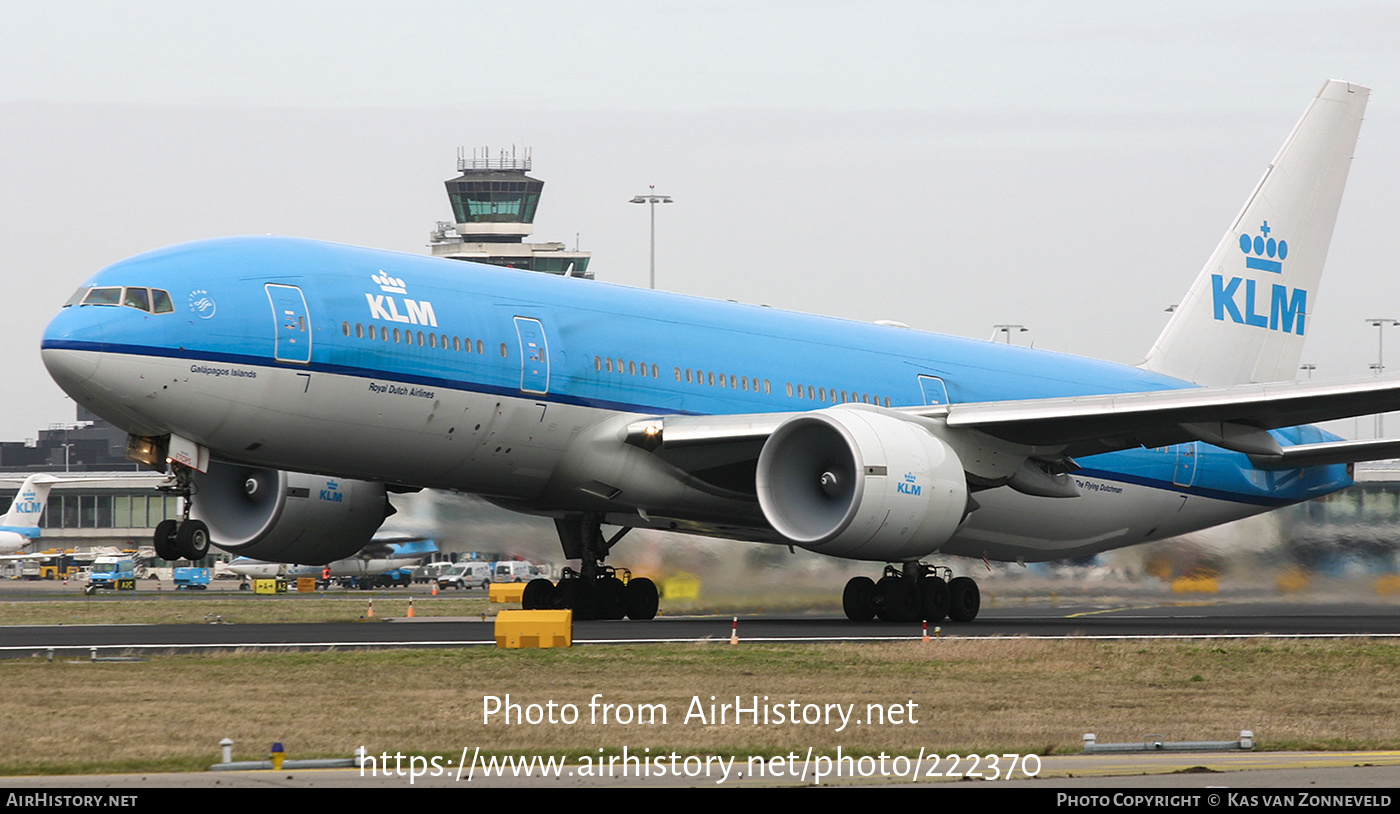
x,y
858,483
280,516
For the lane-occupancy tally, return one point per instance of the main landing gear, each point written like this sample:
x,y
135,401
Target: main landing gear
x,y
182,539
919,591
597,590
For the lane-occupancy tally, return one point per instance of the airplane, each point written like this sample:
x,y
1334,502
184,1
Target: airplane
x,y
287,386
20,525
379,557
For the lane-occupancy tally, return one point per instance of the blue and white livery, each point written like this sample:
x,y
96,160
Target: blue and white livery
x,y
287,384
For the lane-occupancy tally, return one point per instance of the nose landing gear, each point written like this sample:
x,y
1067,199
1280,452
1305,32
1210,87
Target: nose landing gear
x,y
184,538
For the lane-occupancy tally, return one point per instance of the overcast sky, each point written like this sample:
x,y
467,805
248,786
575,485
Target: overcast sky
x,y
1067,166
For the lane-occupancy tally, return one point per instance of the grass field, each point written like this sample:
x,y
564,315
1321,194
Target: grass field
x,y
983,696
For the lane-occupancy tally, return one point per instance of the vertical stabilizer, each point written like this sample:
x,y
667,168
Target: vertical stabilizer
x,y
1246,316
28,506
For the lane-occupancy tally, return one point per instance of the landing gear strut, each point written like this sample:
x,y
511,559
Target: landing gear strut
x,y
596,590
184,538
917,591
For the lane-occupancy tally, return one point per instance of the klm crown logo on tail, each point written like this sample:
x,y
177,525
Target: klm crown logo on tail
x,y
1287,307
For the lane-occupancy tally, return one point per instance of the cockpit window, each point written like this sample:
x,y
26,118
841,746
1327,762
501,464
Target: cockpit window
x,y
77,296
137,298
150,300
103,296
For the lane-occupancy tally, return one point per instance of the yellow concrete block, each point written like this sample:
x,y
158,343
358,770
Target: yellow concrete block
x,y
1196,585
501,592
536,628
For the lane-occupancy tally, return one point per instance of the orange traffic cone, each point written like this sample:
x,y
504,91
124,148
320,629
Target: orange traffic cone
x,y
734,632
434,587
410,608
370,613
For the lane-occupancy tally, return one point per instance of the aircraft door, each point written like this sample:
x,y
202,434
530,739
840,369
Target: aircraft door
x,y
1185,464
292,323
534,356
934,390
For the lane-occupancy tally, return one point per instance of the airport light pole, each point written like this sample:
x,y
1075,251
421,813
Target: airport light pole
x,y
1379,366
653,199
1007,329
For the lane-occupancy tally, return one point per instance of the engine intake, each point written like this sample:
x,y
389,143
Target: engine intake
x,y
287,516
860,483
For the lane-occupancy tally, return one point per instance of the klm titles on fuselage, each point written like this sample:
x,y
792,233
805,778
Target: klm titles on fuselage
x,y
382,306
1288,307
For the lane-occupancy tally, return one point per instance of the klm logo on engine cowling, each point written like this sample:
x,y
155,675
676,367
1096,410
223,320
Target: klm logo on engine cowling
x,y
382,306
332,492
1287,308
909,486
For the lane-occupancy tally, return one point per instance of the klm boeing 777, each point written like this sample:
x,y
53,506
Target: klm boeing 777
x,y
287,385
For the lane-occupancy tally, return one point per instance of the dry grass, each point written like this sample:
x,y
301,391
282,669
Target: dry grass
x,y
1005,695
174,608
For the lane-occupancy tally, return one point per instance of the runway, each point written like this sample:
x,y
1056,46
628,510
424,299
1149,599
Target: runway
x,y
1128,620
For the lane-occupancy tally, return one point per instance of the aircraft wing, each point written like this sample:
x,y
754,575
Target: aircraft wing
x,y
1235,418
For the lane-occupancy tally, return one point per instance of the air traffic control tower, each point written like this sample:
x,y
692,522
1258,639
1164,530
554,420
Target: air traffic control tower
x,y
494,204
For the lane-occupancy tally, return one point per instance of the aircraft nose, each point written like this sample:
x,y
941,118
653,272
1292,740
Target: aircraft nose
x,y
70,349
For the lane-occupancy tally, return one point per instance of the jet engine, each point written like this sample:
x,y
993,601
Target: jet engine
x,y
862,484
280,516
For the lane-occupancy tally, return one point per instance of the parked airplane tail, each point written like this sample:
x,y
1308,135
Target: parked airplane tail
x,y
28,506
1246,316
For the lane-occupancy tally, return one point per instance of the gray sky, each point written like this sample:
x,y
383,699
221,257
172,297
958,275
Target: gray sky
x,y
1067,166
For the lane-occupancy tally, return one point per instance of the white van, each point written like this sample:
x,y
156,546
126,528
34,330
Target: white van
x,y
466,575
516,571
